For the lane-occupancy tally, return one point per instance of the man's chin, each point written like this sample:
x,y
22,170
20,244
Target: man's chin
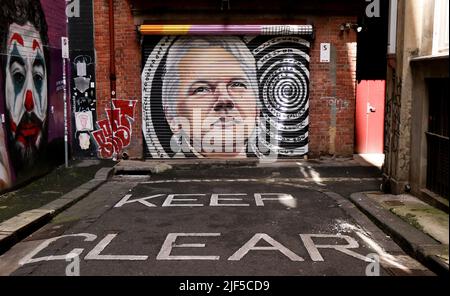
x,y
29,153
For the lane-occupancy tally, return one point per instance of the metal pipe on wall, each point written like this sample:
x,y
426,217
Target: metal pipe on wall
x,y
112,63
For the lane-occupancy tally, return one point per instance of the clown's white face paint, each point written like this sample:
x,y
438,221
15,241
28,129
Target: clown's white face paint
x,y
26,86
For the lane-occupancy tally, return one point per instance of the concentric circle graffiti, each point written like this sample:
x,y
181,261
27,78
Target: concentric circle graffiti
x,y
282,64
278,66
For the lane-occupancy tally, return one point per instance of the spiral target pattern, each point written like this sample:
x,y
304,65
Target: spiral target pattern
x,y
284,89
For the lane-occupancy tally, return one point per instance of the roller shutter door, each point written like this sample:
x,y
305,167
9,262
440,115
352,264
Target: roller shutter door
x,y
215,94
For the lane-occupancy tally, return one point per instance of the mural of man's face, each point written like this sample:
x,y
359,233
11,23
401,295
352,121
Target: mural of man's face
x,y
26,89
216,93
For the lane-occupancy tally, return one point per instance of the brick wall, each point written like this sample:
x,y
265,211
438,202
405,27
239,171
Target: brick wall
x,y
332,86
332,89
128,65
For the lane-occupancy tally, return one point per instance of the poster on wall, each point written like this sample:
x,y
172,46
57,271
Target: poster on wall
x,y
83,100
31,92
225,96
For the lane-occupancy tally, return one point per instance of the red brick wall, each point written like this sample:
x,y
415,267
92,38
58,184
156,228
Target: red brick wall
x,y
128,65
332,85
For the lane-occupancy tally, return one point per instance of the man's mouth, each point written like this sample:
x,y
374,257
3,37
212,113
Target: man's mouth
x,y
226,122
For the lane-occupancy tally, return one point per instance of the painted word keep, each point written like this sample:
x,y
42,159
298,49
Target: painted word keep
x,y
115,131
215,200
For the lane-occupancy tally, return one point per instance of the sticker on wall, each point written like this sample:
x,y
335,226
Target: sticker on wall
x,y
225,96
83,97
83,121
325,52
83,102
85,141
82,83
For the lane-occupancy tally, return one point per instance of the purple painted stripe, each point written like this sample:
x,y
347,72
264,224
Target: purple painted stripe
x,y
226,29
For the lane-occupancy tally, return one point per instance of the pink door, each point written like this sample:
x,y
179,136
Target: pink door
x,y
370,116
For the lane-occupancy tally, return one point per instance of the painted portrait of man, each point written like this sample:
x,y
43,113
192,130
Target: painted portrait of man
x,y
210,95
24,52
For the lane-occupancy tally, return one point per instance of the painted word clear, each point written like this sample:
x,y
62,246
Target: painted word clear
x,y
171,244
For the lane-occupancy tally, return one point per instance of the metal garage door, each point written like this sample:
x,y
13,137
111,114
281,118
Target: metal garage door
x,y
225,91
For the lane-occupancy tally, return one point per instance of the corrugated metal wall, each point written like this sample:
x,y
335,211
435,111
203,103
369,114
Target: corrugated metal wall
x,y
225,96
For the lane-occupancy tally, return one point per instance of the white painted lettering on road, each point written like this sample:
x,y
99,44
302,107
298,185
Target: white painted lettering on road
x,y
143,200
313,249
169,244
259,199
215,198
172,197
75,252
95,253
276,246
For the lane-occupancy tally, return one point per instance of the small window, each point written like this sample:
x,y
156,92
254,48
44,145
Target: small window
x,y
440,35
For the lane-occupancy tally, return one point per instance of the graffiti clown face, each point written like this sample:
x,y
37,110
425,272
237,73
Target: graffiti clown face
x,y
26,91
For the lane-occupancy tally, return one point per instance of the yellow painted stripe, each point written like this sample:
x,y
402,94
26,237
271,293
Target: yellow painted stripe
x,y
165,29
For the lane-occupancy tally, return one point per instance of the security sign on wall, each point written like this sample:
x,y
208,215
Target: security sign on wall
x,y
225,96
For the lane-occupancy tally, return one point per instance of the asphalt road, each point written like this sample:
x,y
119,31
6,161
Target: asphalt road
x,y
239,222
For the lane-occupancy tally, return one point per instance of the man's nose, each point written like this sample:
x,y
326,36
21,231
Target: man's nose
x,y
29,102
223,101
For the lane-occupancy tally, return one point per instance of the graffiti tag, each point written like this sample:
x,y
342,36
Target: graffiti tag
x,y
115,131
339,104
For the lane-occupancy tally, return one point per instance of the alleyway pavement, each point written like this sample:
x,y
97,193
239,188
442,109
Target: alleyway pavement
x,y
220,218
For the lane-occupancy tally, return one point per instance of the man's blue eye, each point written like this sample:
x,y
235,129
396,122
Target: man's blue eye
x,y
201,89
237,84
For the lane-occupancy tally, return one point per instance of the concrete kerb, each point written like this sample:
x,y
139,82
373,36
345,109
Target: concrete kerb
x,y
417,244
378,235
17,228
157,166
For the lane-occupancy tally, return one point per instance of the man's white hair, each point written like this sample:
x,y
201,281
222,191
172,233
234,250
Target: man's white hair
x,y
171,77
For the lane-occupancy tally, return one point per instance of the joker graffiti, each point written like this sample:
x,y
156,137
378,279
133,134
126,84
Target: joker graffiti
x,y
24,45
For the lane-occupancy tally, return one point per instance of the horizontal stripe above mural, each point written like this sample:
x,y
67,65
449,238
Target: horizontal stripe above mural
x,y
226,29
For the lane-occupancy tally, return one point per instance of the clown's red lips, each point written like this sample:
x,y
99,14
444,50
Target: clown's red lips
x,y
28,130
